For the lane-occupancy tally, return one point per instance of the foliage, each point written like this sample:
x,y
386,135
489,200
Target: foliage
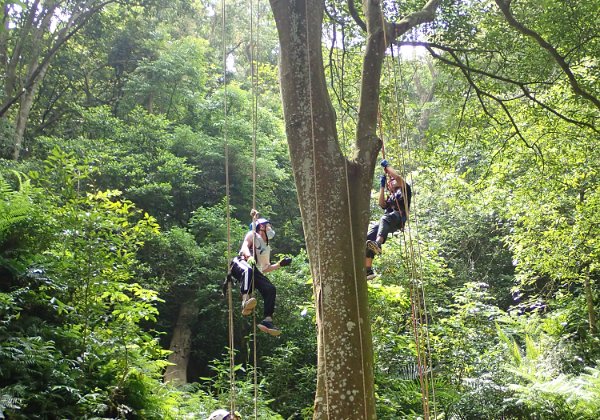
x,y
244,399
71,342
503,226
539,383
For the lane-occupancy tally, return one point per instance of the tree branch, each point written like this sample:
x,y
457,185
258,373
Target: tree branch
x,y
465,69
524,86
354,13
425,15
380,34
65,34
504,6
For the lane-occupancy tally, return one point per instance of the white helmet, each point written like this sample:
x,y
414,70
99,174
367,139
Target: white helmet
x,y
261,221
219,415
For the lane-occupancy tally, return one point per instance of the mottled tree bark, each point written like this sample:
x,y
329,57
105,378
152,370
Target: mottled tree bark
x,y
589,298
334,194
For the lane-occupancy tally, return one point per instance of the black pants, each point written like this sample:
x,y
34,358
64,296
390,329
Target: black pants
x,y
389,223
250,279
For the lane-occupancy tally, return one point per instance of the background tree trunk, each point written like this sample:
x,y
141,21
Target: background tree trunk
x,y
181,344
589,298
39,32
23,113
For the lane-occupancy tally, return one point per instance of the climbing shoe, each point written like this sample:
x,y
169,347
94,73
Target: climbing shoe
x,y
248,306
374,246
371,274
269,328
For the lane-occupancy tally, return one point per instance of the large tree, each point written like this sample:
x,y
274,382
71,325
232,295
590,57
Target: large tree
x,y
334,192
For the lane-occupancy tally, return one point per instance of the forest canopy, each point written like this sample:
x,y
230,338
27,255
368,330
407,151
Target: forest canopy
x,y
136,137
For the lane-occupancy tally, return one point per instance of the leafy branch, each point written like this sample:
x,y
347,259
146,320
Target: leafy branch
x,y
504,6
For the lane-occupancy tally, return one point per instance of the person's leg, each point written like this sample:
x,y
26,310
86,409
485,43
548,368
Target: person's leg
x,y
242,271
369,254
269,293
389,223
371,236
374,239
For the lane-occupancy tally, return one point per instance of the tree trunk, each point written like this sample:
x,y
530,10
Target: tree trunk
x,y
334,194
425,99
181,345
36,44
335,211
23,114
589,297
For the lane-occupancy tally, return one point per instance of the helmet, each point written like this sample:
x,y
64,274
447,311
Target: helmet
x,y
219,415
261,221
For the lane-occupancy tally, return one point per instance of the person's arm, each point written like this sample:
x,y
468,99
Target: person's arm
x,y
402,184
246,249
382,202
395,175
271,267
284,262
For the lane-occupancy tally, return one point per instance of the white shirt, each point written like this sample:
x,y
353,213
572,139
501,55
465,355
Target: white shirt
x,y
263,252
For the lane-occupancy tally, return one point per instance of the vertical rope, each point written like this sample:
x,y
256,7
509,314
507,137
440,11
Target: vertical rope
x,y
232,390
421,328
254,83
424,303
416,303
418,312
253,77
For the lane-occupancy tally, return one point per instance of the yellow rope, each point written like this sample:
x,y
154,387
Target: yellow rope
x,y
232,393
418,306
254,83
418,298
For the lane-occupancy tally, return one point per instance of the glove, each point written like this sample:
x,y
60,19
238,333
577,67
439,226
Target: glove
x,y
285,262
383,180
251,261
384,163
224,287
225,284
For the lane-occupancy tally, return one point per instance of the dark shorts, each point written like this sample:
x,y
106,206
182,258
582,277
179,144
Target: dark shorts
x,y
389,223
251,278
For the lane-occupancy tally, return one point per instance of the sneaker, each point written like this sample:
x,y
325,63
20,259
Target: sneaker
x,y
269,328
248,306
374,246
371,274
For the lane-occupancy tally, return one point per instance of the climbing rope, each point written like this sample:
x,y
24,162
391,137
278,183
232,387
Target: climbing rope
x,y
232,390
417,293
254,80
414,257
228,206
